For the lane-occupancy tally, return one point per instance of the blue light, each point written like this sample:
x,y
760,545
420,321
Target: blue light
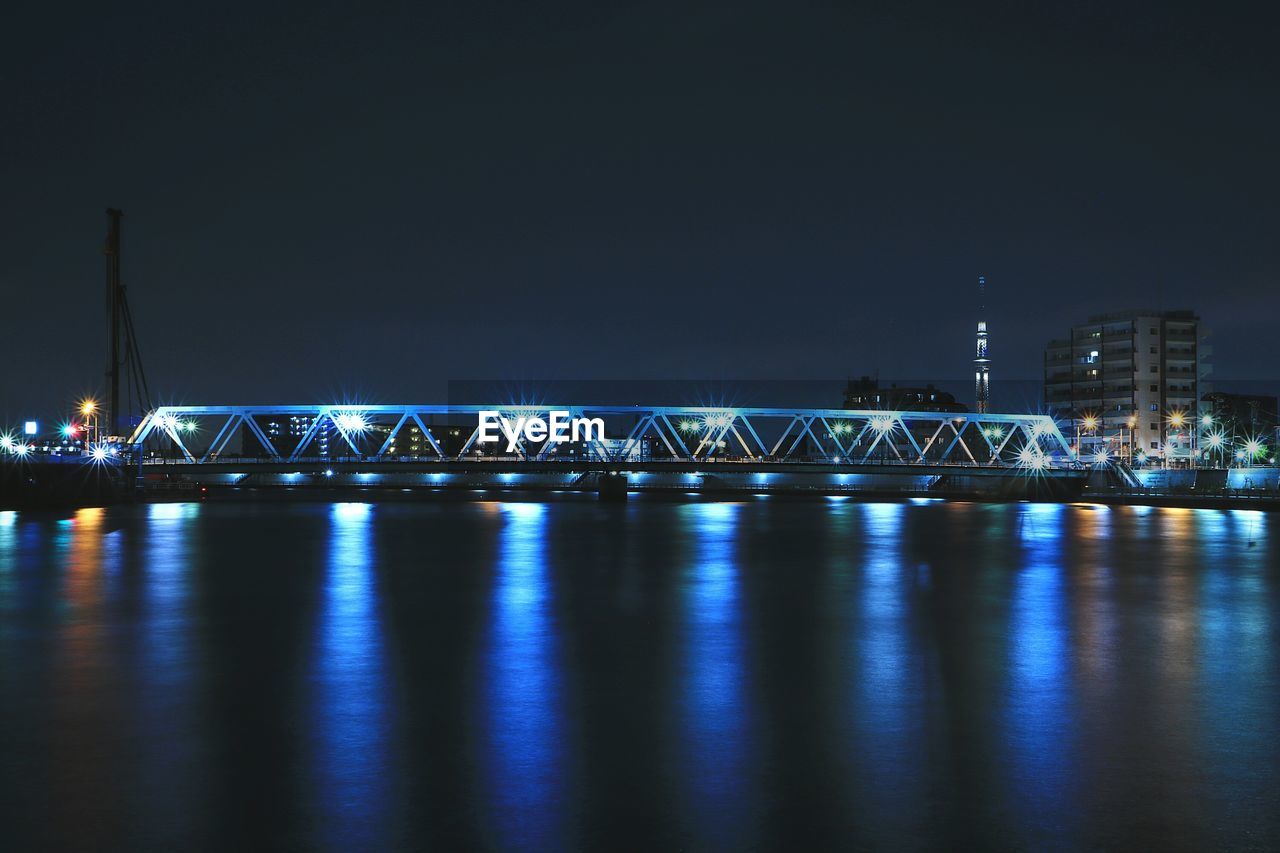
x,y
713,709
350,710
30,428
522,726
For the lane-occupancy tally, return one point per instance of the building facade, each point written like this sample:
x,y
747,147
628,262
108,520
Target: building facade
x,y
1129,384
866,393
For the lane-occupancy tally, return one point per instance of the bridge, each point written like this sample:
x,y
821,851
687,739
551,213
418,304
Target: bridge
x,y
688,448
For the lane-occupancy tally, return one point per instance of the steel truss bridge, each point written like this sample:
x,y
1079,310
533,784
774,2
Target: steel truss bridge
x,y
651,434
649,448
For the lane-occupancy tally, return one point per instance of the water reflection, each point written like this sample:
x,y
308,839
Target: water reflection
x,y
166,591
1237,668
1040,712
714,709
525,755
8,557
351,708
886,707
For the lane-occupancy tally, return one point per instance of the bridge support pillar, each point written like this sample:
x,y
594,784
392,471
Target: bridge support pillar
x,y
612,487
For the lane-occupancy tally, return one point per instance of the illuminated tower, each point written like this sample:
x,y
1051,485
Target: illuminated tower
x,y
981,363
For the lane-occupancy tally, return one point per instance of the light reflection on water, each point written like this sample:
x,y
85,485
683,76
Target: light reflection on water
x,y
886,674
524,735
714,706
1040,708
351,706
991,676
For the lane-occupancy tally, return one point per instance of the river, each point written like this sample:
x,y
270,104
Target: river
x,y
767,674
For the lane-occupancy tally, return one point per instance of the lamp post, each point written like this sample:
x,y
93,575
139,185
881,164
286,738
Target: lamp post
x,y
1176,420
89,411
1090,423
1206,424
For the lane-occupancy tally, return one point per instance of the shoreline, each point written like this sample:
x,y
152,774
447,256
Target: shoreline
x,y
373,494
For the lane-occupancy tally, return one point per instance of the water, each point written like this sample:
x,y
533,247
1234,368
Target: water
x,y
766,674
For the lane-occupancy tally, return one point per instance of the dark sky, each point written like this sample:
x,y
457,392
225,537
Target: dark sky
x,y
325,200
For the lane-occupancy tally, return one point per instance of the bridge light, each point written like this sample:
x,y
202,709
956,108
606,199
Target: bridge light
x,y
882,424
98,453
1031,457
1206,420
718,420
688,425
351,422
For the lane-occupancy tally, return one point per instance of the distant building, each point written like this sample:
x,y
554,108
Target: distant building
x,y
410,441
1242,415
866,393
1130,383
286,432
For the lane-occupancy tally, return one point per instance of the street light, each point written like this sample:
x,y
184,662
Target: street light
x,y
1177,420
89,411
1216,441
1089,423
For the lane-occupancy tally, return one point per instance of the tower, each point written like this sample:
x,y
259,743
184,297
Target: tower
x,y
981,362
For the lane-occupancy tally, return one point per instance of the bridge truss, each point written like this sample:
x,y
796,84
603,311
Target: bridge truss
x,y
373,433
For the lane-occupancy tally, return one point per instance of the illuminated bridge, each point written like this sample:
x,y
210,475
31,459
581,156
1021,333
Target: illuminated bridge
x,y
677,448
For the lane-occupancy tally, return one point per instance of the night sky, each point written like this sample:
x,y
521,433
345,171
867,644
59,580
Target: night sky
x,y
322,200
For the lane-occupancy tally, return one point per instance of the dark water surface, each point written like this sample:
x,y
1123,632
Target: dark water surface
x,y
652,676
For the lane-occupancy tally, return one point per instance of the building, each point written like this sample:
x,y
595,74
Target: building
x,y
1242,416
1129,384
286,432
866,393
